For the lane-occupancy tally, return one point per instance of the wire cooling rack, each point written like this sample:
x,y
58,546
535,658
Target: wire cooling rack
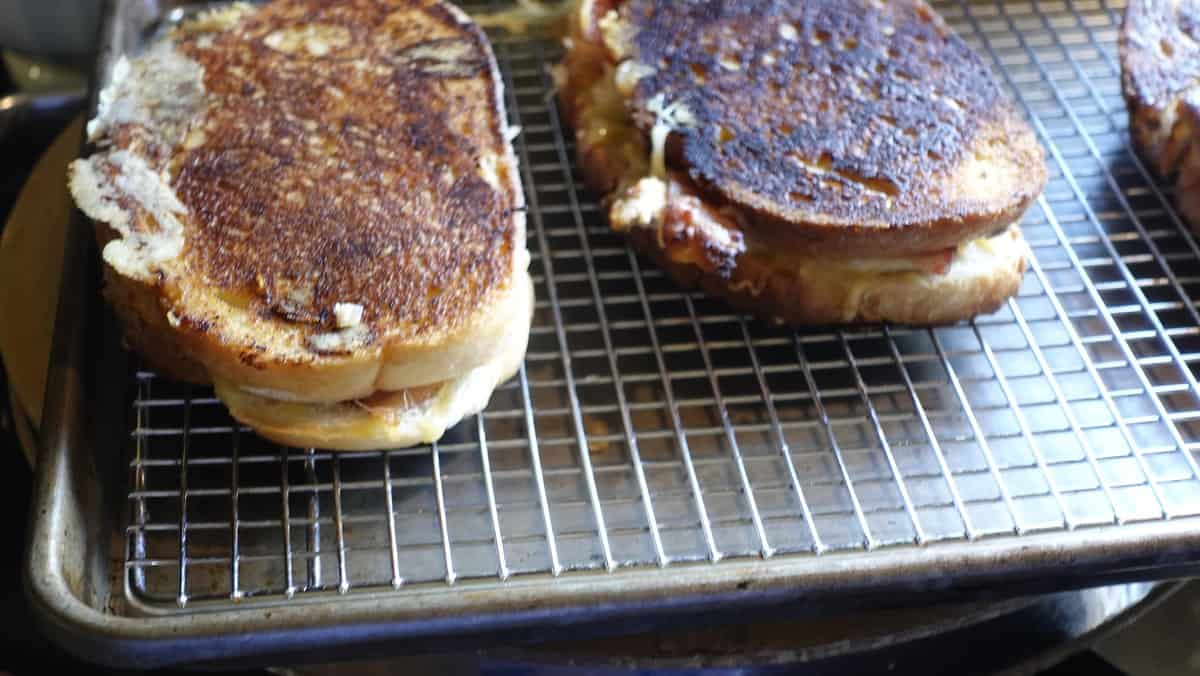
x,y
651,427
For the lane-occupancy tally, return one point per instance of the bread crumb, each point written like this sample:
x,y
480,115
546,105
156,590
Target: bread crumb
x,y
595,427
316,39
347,315
342,341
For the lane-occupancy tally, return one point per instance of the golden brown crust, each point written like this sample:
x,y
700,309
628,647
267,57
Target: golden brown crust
x,y
873,128
351,154
145,329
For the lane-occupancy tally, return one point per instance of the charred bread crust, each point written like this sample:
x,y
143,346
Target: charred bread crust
x,y
874,129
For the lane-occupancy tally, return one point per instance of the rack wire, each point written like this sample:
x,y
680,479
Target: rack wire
x,y
652,427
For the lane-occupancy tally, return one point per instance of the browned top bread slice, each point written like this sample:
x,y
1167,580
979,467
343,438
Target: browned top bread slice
x,y
861,126
312,200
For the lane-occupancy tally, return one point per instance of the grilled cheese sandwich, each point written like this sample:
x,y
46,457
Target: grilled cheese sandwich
x,y
317,208
766,201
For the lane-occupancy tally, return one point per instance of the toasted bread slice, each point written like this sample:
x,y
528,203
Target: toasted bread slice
x,y
699,246
311,202
387,419
1160,79
828,162
843,126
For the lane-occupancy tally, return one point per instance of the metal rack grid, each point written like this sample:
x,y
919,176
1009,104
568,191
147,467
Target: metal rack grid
x,y
652,427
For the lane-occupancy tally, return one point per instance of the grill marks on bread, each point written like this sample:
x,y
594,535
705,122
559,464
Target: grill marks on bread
x,y
338,161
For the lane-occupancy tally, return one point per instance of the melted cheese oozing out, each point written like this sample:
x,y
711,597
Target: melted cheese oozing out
x,y
162,89
218,19
667,118
615,37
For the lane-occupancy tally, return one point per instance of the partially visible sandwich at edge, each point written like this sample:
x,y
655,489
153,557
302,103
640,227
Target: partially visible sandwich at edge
x,y
316,208
829,161
1160,79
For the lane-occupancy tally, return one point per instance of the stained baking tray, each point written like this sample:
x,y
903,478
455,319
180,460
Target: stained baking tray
x,y
658,456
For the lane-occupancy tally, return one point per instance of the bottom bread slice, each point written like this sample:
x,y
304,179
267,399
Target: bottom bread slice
x,y
981,276
386,419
